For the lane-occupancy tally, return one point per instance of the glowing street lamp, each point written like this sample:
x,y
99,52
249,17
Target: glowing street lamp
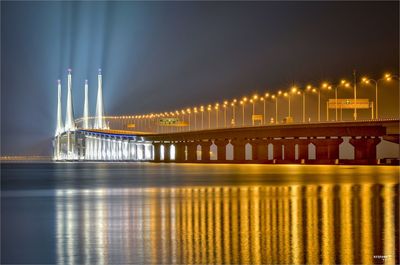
x,y
253,101
225,106
328,87
233,104
189,112
389,77
195,118
367,80
216,114
342,83
288,96
243,102
209,116
276,107
264,99
202,117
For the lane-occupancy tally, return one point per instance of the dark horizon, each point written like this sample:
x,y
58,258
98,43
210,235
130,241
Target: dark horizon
x,y
158,56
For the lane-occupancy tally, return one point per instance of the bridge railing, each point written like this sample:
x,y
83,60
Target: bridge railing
x,y
154,125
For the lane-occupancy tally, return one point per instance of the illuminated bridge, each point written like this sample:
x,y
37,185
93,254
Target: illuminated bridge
x,y
229,133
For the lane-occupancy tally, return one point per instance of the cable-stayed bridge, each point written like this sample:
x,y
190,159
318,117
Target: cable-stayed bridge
x,y
237,131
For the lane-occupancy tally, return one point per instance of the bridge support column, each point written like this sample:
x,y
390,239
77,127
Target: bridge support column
x,y
157,149
205,151
239,150
302,149
221,149
167,152
191,152
326,150
289,151
259,150
277,151
179,152
365,149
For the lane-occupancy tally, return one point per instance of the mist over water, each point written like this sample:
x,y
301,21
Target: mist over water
x,y
144,213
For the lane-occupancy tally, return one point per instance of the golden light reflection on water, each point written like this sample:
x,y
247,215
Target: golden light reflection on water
x,y
293,224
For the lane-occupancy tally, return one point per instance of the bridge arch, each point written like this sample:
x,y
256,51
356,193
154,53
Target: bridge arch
x,y
172,152
311,151
198,152
213,152
270,152
162,152
229,151
249,151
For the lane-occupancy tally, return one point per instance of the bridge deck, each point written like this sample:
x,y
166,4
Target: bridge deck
x,y
339,129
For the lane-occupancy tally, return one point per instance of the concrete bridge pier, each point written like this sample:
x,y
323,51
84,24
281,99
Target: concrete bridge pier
x,y
327,150
239,150
302,148
205,150
221,149
290,150
179,151
260,150
191,152
365,149
277,150
157,150
167,152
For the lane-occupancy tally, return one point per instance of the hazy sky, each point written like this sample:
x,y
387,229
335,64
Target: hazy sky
x,y
160,56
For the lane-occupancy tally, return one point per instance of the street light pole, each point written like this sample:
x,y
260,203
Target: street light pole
x,y
263,100
202,117
319,105
224,115
276,107
252,115
368,80
355,94
336,109
233,112
216,115
189,112
195,119
304,106
209,116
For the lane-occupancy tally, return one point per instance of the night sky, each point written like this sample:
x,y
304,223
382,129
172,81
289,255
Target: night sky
x,y
160,56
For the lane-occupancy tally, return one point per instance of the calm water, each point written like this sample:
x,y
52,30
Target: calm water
x,y
121,213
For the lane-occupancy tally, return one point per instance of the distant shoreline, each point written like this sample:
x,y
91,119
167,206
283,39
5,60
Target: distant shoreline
x,y
25,159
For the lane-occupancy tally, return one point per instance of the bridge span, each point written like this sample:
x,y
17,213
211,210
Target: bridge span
x,y
314,143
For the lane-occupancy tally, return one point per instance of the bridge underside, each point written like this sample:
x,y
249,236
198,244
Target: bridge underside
x,y
310,144
101,146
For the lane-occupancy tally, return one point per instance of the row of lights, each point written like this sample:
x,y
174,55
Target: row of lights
x,y
293,91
